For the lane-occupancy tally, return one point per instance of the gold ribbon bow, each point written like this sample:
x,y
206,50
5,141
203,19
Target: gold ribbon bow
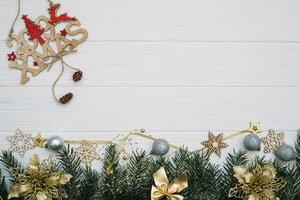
x,y
162,187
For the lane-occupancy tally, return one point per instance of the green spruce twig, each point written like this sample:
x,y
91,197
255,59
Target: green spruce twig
x,y
71,164
113,176
137,183
90,185
3,186
12,165
227,176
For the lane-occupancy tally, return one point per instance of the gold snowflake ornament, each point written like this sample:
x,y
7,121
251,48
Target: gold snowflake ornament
x,y
87,153
20,142
214,144
273,141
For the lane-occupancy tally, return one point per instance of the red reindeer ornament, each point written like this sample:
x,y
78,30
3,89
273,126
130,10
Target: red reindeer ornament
x,y
54,19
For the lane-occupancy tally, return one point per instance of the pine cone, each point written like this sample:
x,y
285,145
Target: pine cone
x,y
66,98
77,76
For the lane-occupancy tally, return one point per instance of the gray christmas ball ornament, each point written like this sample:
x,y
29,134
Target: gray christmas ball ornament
x,y
160,147
55,143
252,142
285,152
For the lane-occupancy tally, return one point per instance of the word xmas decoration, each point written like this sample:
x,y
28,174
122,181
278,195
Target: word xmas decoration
x,y
40,44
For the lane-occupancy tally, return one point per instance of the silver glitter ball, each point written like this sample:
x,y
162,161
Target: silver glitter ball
x,y
285,152
252,142
55,143
160,147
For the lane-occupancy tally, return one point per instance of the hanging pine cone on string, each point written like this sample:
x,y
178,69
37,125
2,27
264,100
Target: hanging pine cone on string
x,y
77,76
66,98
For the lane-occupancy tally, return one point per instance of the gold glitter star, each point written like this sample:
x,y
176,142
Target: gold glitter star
x,y
214,144
273,141
38,141
87,153
255,127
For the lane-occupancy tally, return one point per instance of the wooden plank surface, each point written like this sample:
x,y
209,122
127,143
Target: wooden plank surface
x,y
174,64
176,68
158,109
161,20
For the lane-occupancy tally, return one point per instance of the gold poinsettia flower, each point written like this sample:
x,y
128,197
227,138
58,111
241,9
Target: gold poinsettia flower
x,y
258,184
40,181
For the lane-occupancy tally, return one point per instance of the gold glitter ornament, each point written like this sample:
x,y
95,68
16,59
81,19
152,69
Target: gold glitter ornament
x,y
258,184
20,142
38,141
40,181
87,153
273,141
255,127
214,144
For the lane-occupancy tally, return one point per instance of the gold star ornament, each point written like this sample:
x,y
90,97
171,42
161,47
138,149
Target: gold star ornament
x,y
38,141
273,141
214,144
255,127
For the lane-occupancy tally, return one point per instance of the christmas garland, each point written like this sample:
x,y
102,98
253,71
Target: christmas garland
x,y
139,175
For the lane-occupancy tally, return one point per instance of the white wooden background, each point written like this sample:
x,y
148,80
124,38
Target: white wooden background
x,y
176,68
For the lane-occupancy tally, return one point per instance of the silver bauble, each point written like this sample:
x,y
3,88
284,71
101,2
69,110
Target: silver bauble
x,y
285,153
252,142
55,143
160,147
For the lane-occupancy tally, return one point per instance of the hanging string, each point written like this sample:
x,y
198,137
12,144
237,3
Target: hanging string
x,y
59,56
15,20
142,133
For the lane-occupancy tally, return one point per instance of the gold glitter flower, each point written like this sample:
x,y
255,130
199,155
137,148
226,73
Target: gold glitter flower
x,y
258,184
40,181
214,143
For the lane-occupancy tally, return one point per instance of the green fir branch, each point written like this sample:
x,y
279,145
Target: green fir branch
x,y
113,176
12,165
297,149
3,186
90,185
137,183
202,177
297,170
71,164
227,176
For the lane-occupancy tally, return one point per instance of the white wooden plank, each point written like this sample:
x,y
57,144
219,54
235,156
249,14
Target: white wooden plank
x,y
157,109
174,64
234,20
